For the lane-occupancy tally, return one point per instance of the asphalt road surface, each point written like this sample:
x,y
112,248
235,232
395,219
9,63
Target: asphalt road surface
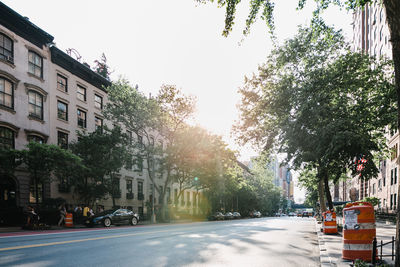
x,y
273,242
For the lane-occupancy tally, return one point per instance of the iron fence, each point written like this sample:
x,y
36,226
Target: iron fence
x,y
375,247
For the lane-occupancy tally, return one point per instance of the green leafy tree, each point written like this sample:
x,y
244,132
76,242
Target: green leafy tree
x,y
321,103
102,67
41,160
309,181
265,8
10,159
102,163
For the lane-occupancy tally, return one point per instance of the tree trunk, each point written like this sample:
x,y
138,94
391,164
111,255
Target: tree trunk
x,y
321,196
392,8
328,192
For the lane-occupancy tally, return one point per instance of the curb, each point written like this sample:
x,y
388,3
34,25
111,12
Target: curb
x,y
324,257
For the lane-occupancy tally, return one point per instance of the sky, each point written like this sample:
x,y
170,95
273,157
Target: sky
x,y
176,42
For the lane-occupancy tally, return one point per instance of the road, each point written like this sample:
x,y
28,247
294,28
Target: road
x,y
248,242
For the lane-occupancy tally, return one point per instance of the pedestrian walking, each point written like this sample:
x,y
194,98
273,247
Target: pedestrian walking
x,y
63,213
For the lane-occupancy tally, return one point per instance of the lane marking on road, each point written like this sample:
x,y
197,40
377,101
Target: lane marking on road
x,y
80,240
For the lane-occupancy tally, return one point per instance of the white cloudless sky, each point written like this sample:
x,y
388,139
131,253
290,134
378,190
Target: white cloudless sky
x,y
179,42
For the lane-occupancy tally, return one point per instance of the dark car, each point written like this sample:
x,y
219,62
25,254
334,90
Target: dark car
x,y
229,216
305,214
216,216
115,216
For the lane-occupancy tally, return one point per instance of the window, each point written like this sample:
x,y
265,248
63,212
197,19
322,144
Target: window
x,y
6,48
129,193
116,192
129,186
35,64
6,93
98,124
35,138
139,164
140,141
62,110
62,140
140,190
35,104
394,150
62,84
81,93
391,177
395,175
151,140
35,192
81,118
168,195
6,138
98,101
160,200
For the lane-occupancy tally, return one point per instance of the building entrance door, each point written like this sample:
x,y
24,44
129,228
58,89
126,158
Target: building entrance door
x,y
8,195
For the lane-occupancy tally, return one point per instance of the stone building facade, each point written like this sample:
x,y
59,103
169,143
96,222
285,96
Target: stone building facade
x,y
47,96
371,35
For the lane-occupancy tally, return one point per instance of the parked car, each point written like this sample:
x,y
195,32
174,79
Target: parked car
x,y
305,214
255,214
114,216
236,215
228,216
216,216
292,214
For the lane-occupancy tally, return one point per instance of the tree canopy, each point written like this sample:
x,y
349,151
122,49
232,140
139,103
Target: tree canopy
x,y
320,103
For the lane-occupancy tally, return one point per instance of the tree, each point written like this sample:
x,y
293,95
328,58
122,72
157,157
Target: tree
x,y
309,181
102,163
102,67
10,159
143,117
41,160
392,8
324,105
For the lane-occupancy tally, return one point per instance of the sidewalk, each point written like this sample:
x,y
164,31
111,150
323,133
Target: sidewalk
x,y
331,245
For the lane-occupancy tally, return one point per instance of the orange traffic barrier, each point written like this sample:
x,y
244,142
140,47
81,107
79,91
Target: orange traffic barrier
x,y
329,225
69,220
359,231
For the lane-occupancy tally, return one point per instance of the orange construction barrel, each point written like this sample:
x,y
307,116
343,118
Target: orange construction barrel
x,y
69,220
329,225
359,231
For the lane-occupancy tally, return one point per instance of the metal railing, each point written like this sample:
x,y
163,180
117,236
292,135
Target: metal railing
x,y
375,247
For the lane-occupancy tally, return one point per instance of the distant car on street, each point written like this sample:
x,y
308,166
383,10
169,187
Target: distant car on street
x,y
255,214
305,214
228,216
236,215
216,216
292,214
114,216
